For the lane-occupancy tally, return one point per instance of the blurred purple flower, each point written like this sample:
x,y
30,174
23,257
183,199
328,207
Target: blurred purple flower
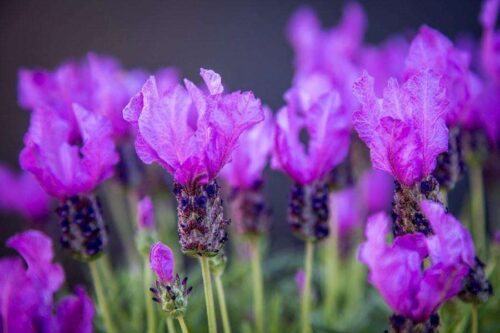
x,y
21,193
490,48
26,295
330,52
251,155
97,83
405,130
385,61
62,166
376,189
312,106
397,271
161,259
300,277
345,211
146,214
190,133
431,50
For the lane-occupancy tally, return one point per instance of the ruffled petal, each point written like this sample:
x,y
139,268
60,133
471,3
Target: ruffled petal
x,y
75,313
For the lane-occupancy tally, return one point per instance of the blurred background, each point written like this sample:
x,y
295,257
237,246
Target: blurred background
x,y
242,40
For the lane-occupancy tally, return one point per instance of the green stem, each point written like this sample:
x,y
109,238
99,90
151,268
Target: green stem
x,y
258,289
170,325
150,311
474,321
306,295
101,299
331,278
444,197
222,303
183,324
477,208
209,296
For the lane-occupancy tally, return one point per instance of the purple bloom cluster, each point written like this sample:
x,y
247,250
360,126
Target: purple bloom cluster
x,y
27,290
396,269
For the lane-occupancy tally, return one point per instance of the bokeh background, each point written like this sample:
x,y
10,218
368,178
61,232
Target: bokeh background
x,y
242,40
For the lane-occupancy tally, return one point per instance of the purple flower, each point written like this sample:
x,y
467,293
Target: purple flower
x,y
161,259
97,83
62,166
300,277
491,40
22,194
190,133
345,213
432,50
26,294
252,154
396,270
313,107
146,214
405,130
376,190
75,313
385,61
330,52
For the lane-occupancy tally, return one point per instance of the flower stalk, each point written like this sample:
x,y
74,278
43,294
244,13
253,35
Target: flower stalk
x,y
101,298
170,325
209,296
150,311
306,296
181,321
258,289
222,303
477,208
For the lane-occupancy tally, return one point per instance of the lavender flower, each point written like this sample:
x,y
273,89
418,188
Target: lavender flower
x,y
405,132
170,291
146,214
21,193
26,295
244,173
192,135
70,170
314,108
97,83
413,292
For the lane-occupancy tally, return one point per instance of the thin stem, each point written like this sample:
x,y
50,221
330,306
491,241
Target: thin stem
x,y
184,328
150,311
331,278
444,197
101,299
170,325
474,321
222,303
209,296
258,289
477,208
306,295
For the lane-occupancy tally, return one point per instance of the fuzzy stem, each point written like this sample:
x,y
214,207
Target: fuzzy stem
x,y
101,299
170,325
474,320
258,289
306,295
477,208
331,278
222,304
150,311
209,296
184,328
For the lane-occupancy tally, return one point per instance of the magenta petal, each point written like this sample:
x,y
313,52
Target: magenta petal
x,y
451,241
161,259
146,214
212,80
37,251
75,313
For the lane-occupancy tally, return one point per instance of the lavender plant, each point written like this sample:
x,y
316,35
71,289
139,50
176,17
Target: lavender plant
x,y
380,134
